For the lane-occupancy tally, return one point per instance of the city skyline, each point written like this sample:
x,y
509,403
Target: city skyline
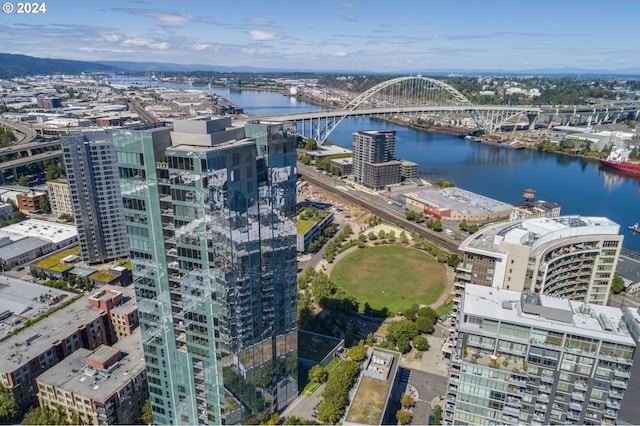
x,y
412,36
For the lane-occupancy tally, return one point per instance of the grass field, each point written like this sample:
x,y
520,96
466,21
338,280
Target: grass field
x,y
391,277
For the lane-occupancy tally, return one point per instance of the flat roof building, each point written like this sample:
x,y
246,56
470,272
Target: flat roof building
x,y
456,204
30,239
45,343
568,256
105,386
522,358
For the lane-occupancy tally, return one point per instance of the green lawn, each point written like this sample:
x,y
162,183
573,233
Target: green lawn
x,y
54,260
305,225
391,277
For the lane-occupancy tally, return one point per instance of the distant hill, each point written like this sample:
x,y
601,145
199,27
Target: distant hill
x,y
20,65
171,67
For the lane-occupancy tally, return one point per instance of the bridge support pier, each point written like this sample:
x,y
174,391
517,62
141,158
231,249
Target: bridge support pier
x,y
532,121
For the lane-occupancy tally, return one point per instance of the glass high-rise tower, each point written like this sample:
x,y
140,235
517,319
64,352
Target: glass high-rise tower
x,y
210,215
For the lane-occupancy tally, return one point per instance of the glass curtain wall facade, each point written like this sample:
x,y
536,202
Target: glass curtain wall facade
x,y
213,249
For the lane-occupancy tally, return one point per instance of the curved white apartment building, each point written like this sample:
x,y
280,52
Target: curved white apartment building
x,y
567,256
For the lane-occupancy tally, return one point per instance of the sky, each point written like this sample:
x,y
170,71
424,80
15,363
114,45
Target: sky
x,y
320,35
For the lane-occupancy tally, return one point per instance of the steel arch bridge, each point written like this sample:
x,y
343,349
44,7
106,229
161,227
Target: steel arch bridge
x,y
414,96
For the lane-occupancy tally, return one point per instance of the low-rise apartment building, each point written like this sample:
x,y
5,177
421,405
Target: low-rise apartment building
x,y
107,385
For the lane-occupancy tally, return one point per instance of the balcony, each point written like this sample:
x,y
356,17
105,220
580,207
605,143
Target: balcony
x,y
538,418
575,406
613,404
541,407
545,388
512,390
610,413
580,385
621,373
573,415
577,396
511,411
546,379
616,394
513,401
619,384
543,398
509,419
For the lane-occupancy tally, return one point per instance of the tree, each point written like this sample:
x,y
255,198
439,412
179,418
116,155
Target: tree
x,y
403,416
411,312
403,238
403,343
45,205
420,343
437,416
357,353
66,217
407,401
311,145
23,181
330,411
425,324
9,409
318,374
617,284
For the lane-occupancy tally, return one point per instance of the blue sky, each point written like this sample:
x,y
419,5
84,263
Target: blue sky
x,y
373,35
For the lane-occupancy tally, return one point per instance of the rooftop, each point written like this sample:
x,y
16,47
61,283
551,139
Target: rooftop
x,y
50,231
75,376
547,312
20,245
26,299
40,336
459,200
536,233
55,260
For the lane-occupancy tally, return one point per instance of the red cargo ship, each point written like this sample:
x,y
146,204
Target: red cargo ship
x,y
619,160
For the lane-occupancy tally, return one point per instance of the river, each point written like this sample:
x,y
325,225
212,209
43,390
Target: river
x,y
580,186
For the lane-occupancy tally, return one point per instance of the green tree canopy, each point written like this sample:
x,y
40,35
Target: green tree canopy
x,y
617,284
9,409
403,416
357,353
318,374
420,343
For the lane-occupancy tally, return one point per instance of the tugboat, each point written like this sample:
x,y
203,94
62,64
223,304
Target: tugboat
x,y
635,228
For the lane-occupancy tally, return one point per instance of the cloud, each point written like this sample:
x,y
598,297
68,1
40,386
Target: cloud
x,y
111,37
341,54
265,22
201,46
348,5
258,35
145,42
165,18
